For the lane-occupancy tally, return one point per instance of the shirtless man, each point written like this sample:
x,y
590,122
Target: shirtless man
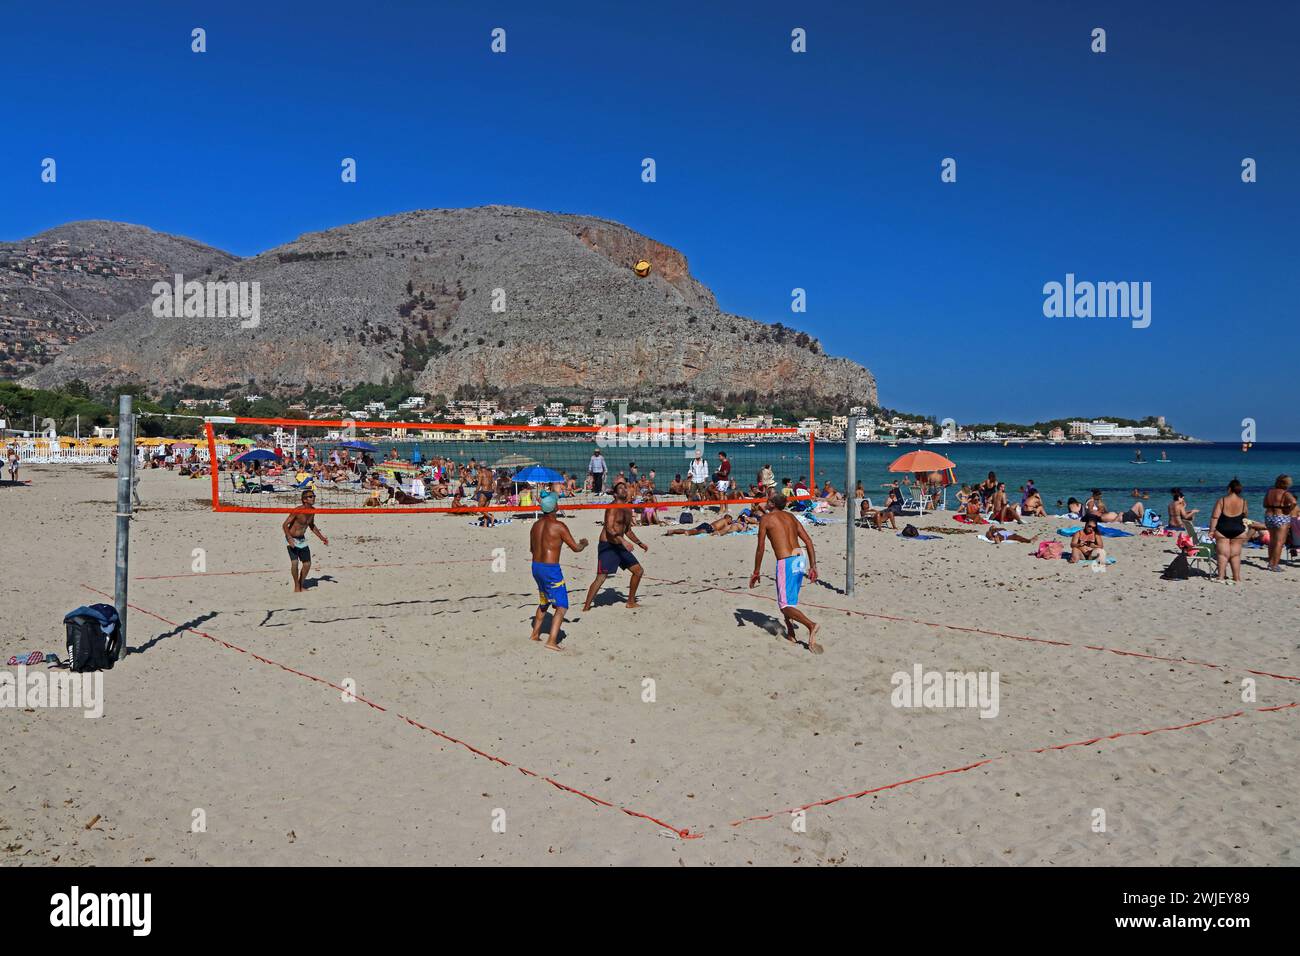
x,y
787,534
612,551
1002,509
546,537
295,527
1086,544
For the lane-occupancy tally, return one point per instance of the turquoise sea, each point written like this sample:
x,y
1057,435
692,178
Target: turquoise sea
x,y
1059,471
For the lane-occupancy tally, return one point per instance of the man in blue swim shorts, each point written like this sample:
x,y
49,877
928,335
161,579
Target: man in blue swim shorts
x,y
612,551
548,536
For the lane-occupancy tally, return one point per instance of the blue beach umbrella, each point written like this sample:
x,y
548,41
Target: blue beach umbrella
x,y
537,475
357,445
258,454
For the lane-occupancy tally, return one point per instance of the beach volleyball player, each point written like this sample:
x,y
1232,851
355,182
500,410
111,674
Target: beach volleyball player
x,y
295,527
612,551
786,535
547,536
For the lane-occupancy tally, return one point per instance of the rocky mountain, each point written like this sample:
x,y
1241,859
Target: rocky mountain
x,y
64,284
528,302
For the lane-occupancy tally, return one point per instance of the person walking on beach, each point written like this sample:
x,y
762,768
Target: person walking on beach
x,y
786,535
546,538
612,551
1228,525
596,468
13,464
295,527
1278,505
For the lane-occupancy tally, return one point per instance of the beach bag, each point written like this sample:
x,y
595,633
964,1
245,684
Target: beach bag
x,y
1179,569
909,531
685,518
93,637
1049,550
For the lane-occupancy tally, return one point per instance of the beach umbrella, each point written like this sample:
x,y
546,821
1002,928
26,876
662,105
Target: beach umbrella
x,y
416,457
258,454
537,475
921,461
241,441
358,445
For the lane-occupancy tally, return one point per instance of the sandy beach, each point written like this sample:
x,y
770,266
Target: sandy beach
x,y
282,770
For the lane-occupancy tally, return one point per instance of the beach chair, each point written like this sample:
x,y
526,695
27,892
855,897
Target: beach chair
x,y
916,503
1205,557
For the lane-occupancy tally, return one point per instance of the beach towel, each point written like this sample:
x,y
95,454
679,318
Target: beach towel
x,y
35,657
476,523
1101,530
967,520
1109,560
919,537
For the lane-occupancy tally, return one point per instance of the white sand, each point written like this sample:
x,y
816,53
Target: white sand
x,y
744,724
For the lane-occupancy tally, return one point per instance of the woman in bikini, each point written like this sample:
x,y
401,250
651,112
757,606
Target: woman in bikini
x,y
1278,505
1228,525
1086,544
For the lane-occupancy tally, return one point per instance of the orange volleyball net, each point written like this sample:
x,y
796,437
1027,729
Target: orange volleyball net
x,y
263,465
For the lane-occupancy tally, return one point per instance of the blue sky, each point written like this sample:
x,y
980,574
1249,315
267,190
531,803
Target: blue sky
x,y
775,170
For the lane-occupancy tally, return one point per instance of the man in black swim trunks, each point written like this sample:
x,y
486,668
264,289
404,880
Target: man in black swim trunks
x,y
612,551
295,528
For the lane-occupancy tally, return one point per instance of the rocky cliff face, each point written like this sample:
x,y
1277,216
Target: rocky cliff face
x,y
68,282
517,299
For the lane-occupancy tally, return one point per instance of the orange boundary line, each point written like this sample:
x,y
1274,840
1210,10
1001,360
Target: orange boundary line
x,y
681,832
980,630
1006,756
685,832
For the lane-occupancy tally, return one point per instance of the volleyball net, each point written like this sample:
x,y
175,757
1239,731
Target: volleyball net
x,y
263,465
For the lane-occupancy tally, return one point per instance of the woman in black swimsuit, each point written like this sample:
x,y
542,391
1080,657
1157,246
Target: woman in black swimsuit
x,y
1228,525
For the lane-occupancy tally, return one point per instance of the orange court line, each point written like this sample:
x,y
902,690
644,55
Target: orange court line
x,y
685,832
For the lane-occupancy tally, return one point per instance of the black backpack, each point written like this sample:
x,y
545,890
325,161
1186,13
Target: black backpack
x,y
94,636
1179,569
910,531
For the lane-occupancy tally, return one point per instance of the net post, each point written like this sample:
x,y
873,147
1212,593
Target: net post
x,y
125,472
851,503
